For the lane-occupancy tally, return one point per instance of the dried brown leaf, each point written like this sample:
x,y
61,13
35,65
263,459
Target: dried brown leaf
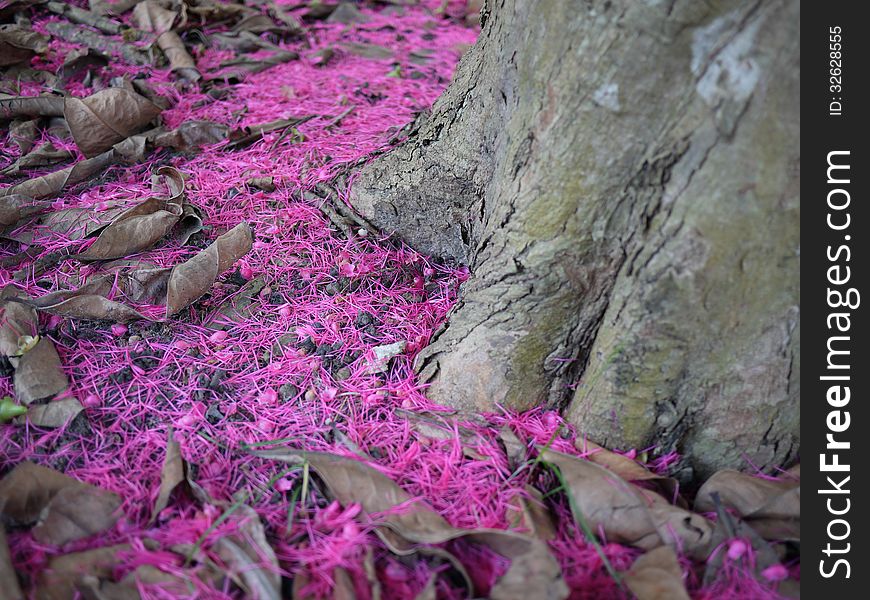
x,y
190,280
372,51
45,155
346,13
8,580
76,512
772,507
31,106
66,508
179,59
249,557
151,17
106,295
534,572
60,579
50,185
627,513
106,118
657,576
19,45
38,373
627,468
142,226
52,414
192,135
171,475
533,515
23,134
80,61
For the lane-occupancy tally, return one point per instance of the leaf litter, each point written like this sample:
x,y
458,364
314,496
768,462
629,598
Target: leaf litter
x,y
140,309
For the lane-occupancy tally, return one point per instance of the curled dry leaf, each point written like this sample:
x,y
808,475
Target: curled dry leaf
x,y
347,13
249,557
61,577
403,522
8,580
50,185
151,17
107,117
627,513
80,61
86,17
171,475
142,226
771,506
192,135
52,414
31,106
627,468
23,134
63,509
109,295
38,372
179,59
16,207
19,45
657,576
532,514
45,155
110,46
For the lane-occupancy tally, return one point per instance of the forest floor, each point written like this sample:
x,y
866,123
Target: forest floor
x,y
294,333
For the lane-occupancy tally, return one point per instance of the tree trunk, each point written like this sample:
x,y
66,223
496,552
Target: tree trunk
x,y
622,178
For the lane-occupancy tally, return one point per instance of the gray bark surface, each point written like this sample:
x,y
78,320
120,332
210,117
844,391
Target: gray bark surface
x,y
623,180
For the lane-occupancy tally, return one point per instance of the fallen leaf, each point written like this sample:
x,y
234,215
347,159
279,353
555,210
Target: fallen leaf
x,y
249,556
657,576
627,468
107,117
627,513
8,579
171,475
31,106
179,59
372,51
192,135
64,509
38,373
76,512
771,506
52,414
346,13
151,17
9,409
142,226
59,579
19,45
403,521
50,185
44,155
236,308
109,295
23,134
80,61
532,515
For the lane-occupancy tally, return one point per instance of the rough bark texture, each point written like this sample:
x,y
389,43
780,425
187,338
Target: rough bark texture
x,y
623,179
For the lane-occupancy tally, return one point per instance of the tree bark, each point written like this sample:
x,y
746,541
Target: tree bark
x,y
622,178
